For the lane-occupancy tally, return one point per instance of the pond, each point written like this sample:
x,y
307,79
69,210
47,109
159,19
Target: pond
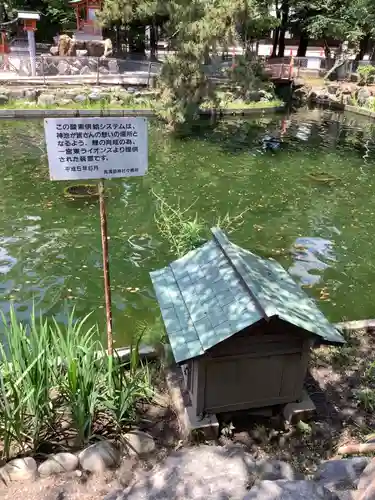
x,y
322,232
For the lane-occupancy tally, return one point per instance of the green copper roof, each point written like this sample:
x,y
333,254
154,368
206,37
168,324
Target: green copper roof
x,y
219,289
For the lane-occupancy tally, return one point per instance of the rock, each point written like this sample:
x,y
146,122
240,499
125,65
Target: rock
x,y
95,48
31,94
139,443
93,65
273,470
99,457
301,95
81,53
4,99
46,99
19,469
16,94
54,51
114,102
50,69
115,495
64,102
125,472
354,77
254,95
63,68
289,490
85,71
363,95
367,475
95,97
74,70
80,98
204,472
367,494
333,88
113,66
59,463
347,99
103,71
342,474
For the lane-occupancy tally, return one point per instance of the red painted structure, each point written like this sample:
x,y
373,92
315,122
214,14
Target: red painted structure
x,y
86,15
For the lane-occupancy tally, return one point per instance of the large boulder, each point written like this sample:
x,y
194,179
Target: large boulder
x,y
19,469
46,100
99,457
204,472
4,99
139,443
95,48
273,470
362,96
342,474
59,463
366,483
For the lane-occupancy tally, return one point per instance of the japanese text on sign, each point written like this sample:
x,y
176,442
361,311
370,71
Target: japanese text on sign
x,y
96,148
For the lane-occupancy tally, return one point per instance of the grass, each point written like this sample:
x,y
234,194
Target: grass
x,y
184,231
50,374
137,104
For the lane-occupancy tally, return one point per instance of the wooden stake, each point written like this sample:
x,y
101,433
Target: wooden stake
x,y
107,284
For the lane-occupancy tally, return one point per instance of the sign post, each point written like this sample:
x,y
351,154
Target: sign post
x,y
97,148
107,281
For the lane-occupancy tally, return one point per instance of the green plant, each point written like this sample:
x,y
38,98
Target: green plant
x,y
247,76
49,372
184,234
366,73
129,382
366,398
80,374
183,85
26,366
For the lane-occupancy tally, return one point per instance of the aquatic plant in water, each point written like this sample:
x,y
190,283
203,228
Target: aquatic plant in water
x,y
185,233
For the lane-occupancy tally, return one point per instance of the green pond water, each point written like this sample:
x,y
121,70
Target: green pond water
x,y
323,233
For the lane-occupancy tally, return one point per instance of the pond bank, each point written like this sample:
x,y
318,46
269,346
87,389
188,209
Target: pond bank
x,y
341,96
76,113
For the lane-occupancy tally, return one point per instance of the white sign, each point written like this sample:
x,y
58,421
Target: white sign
x,y
96,148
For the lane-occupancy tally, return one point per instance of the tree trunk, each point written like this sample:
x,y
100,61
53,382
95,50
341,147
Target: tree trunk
x,y
276,31
284,26
153,41
327,51
303,44
363,47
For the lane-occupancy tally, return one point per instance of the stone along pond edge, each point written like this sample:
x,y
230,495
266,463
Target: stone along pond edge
x,y
77,113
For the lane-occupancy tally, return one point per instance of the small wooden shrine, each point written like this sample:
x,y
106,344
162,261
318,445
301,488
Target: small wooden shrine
x,y
86,17
239,326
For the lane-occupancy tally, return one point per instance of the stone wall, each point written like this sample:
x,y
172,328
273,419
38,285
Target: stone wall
x,y
46,96
338,93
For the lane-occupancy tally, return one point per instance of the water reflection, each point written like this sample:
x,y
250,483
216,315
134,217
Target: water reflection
x,y
312,256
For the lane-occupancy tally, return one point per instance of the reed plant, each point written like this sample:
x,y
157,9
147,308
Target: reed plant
x,y
48,370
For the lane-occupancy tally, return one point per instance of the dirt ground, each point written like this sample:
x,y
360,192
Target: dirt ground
x,y
340,383
158,418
